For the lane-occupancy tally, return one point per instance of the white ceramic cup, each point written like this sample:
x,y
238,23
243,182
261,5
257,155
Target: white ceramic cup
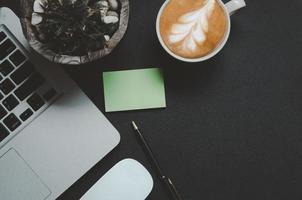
x,y
229,8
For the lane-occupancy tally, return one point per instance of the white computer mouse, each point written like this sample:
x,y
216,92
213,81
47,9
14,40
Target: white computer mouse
x,y
128,179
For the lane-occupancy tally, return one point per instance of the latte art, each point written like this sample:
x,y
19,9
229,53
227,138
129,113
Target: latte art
x,y
192,27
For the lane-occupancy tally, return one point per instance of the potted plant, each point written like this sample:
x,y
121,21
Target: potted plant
x,y
74,31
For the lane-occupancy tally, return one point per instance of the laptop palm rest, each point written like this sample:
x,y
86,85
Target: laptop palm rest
x,y
18,180
128,179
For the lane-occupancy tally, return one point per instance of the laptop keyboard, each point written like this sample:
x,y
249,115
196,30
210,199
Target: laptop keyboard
x,y
24,92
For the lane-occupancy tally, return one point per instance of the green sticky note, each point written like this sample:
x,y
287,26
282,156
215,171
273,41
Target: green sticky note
x,y
134,89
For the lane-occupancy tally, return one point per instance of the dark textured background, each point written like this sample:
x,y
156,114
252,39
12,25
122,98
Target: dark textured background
x,y
232,128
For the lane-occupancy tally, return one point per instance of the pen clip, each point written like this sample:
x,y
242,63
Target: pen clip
x,y
173,191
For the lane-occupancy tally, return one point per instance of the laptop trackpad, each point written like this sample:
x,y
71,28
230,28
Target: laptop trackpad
x,y
18,180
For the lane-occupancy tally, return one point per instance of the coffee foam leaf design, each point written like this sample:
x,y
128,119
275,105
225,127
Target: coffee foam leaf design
x,y
191,28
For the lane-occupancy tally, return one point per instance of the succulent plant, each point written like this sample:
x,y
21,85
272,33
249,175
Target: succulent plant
x,y
75,27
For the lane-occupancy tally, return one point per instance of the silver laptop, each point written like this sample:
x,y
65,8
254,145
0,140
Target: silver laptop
x,y
50,132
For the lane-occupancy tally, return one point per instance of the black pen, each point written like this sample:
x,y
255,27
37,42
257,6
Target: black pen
x,y
167,181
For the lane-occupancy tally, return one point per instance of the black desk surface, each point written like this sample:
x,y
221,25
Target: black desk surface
x,y
232,128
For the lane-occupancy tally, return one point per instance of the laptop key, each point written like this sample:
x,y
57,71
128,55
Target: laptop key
x,y
17,57
7,86
49,94
6,48
22,72
2,36
10,102
6,67
35,102
3,132
29,86
12,122
2,112
26,114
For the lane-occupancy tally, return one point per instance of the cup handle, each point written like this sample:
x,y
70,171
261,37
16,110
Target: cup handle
x,y
234,5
